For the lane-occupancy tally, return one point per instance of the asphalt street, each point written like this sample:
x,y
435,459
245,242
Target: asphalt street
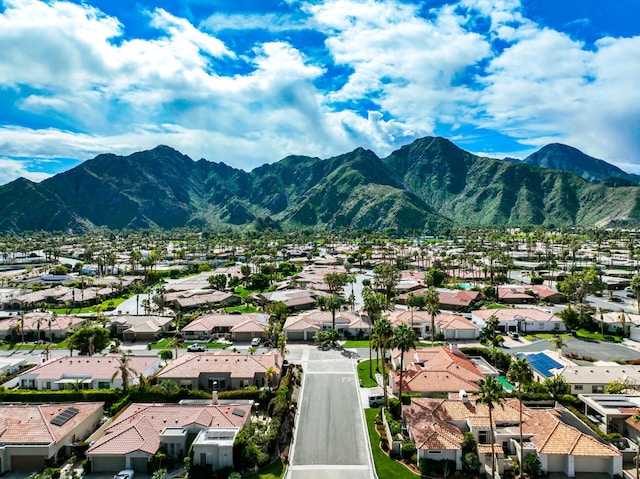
x,y
331,440
604,351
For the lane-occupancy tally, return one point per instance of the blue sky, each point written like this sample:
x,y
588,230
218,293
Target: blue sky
x,y
248,82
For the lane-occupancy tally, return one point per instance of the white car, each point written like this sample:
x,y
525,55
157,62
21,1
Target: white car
x,y
125,474
256,341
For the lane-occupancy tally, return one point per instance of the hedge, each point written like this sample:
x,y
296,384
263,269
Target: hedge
x,y
108,396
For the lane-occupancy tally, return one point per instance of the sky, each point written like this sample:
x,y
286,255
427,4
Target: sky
x,y
249,82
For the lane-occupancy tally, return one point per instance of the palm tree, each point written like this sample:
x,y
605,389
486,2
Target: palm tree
x,y
520,373
432,305
404,339
176,341
384,332
489,393
333,303
374,304
635,286
270,376
558,344
411,303
124,371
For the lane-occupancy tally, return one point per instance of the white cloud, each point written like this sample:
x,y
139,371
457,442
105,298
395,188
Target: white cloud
x,y
11,169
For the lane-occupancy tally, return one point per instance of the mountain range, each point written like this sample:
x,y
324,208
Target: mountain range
x,y
427,185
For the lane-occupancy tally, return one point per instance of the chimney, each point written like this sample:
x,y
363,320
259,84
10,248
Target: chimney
x,y
276,359
214,397
454,349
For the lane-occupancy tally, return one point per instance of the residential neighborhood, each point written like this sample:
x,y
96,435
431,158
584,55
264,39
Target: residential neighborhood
x,y
230,347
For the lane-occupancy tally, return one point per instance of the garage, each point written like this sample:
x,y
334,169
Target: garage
x,y
556,463
591,464
139,464
108,463
27,463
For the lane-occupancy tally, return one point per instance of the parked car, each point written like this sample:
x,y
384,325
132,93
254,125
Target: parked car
x,y
256,341
125,474
195,348
376,399
513,334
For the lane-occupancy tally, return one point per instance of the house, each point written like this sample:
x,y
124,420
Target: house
x,y
593,379
450,300
544,364
141,430
434,370
140,328
87,372
520,320
194,299
294,299
451,326
610,412
222,371
31,434
562,443
219,325
304,326
49,325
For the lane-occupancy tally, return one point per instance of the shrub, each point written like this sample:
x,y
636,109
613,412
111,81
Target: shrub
x,y
408,450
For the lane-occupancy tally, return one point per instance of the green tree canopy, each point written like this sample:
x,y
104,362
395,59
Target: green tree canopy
x,y
90,337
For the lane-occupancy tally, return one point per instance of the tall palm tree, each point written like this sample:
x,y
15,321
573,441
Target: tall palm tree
x,y
489,393
432,305
384,332
333,303
520,373
176,341
125,371
374,304
404,338
411,303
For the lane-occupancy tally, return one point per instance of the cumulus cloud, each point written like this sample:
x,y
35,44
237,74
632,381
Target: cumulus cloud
x,y
10,169
404,72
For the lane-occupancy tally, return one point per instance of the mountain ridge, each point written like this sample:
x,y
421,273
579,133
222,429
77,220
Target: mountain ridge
x,y
427,185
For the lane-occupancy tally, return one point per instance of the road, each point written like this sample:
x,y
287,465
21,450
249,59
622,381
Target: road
x,y
604,351
331,440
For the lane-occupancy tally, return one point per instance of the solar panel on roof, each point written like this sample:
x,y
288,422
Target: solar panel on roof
x,y
64,416
238,412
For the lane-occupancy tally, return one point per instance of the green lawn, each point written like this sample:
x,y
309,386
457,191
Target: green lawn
x,y
534,337
385,466
363,373
274,470
106,305
583,333
32,346
356,344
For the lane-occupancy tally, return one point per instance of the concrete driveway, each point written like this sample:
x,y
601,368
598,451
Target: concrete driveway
x,y
331,440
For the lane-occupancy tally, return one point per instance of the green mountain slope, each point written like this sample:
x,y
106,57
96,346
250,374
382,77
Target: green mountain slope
x,y
426,185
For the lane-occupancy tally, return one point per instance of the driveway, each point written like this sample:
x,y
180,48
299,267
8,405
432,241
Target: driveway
x,y
330,441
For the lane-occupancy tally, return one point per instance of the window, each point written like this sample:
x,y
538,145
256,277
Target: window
x,y
217,384
597,389
104,384
482,437
578,387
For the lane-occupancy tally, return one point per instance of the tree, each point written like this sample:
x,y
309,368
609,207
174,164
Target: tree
x,y
89,338
635,287
570,318
558,343
166,355
176,341
336,282
124,371
580,283
432,305
270,375
385,279
404,339
334,303
218,281
259,281
411,302
278,313
384,333
556,386
374,304
434,277
490,393
520,374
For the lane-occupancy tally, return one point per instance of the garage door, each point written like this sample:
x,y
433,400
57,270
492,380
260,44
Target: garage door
x,y
27,463
591,464
139,464
108,464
